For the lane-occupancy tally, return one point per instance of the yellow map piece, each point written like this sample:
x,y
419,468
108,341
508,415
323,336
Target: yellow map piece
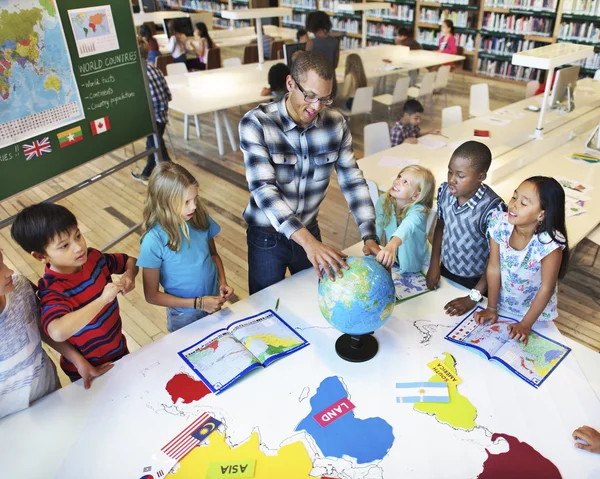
x,y
444,372
459,412
291,462
52,82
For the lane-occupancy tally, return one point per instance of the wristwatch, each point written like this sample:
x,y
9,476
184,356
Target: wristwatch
x,y
475,295
371,237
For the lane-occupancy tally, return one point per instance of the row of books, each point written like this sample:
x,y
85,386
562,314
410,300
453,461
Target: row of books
x,y
297,19
459,18
346,25
430,37
223,23
506,23
505,46
455,2
381,30
299,4
582,7
349,43
582,31
506,70
591,63
397,12
534,5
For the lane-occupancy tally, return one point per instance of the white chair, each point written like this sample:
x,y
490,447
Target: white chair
x,y
374,194
232,62
399,95
441,81
451,115
426,88
597,75
532,87
479,101
362,104
376,138
174,69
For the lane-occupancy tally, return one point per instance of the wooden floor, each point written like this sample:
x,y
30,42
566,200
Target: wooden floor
x,y
111,206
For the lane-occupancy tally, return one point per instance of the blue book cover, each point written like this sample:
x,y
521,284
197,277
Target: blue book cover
x,y
223,357
532,363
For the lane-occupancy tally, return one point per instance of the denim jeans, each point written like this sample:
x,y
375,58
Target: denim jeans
x,y
152,159
177,320
270,254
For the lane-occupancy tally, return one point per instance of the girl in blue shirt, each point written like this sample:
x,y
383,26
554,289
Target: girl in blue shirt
x,y
178,250
402,219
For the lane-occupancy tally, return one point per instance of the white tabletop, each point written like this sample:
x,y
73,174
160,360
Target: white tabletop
x,y
114,429
156,17
359,7
552,56
256,13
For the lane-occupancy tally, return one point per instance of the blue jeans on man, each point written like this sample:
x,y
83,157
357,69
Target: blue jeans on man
x,y
270,254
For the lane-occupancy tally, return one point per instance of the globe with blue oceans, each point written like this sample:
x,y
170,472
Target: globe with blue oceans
x,y
362,300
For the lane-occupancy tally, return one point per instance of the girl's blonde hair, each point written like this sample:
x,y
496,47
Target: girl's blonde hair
x,y
164,203
425,184
354,67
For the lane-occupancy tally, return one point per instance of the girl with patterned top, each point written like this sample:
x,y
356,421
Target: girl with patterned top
x,y
529,253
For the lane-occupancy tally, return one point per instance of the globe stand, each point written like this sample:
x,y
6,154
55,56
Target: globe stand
x,y
356,349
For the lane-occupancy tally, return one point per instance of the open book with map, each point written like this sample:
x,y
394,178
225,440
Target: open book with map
x,y
532,363
408,285
226,355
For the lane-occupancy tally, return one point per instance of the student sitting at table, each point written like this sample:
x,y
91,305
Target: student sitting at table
x,y
177,42
407,129
460,239
178,249
354,78
447,41
402,219
205,43
267,41
78,298
151,44
277,88
319,24
26,371
404,37
588,435
302,36
529,253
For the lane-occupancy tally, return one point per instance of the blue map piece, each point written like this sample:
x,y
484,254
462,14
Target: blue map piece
x,y
366,440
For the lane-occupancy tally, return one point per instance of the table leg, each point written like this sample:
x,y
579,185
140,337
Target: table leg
x,y
197,122
230,132
219,133
259,40
186,126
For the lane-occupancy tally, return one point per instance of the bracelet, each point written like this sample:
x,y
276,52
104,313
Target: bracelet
x,y
492,308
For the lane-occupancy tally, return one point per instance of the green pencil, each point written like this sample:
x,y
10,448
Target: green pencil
x,y
277,304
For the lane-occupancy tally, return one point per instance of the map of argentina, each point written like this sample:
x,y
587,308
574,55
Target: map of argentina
x,y
34,58
366,440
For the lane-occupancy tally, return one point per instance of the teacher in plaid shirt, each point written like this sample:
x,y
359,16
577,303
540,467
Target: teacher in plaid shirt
x,y
291,147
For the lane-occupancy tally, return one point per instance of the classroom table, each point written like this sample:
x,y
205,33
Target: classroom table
x,y
194,93
116,428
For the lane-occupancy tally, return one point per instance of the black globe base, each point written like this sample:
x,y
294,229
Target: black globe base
x,y
356,349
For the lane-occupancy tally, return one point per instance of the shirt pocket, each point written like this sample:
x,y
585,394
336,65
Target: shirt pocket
x,y
285,165
324,164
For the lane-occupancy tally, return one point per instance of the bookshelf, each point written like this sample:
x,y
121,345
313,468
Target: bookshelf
x,y
580,23
213,6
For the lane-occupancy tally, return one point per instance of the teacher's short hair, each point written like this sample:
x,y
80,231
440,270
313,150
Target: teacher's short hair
x,y
311,61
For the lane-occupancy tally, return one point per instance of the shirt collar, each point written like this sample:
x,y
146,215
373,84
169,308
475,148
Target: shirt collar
x,y
286,120
472,202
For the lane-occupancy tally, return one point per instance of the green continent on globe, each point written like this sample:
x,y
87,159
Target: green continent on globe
x,y
49,6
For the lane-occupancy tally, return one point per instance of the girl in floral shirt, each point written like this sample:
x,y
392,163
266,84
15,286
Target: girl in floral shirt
x,y
529,252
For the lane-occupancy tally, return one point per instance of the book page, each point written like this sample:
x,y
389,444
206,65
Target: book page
x,y
489,338
431,142
266,336
535,361
219,360
408,285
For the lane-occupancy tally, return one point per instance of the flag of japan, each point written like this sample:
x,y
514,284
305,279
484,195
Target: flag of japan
x,y
100,125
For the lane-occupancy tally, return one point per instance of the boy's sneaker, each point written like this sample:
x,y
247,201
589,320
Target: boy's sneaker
x,y
139,177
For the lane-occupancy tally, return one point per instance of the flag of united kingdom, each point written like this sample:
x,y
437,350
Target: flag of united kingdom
x,y
37,148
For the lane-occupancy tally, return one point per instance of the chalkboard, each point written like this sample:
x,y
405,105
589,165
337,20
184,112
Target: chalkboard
x,y
71,87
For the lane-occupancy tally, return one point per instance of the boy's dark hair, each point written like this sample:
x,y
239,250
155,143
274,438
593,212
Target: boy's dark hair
x,y
314,61
37,225
318,20
478,154
552,201
403,32
277,76
411,107
300,33
145,32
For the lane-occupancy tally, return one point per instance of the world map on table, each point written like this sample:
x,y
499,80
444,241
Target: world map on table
x,y
90,24
34,58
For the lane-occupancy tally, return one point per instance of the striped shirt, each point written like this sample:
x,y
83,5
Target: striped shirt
x,y
288,169
160,93
101,340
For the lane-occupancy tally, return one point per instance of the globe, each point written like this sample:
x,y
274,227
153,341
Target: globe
x,y
361,301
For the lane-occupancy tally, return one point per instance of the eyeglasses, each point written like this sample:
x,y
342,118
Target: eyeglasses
x,y
310,98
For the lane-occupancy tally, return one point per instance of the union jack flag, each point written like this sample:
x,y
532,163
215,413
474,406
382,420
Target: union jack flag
x,y
37,148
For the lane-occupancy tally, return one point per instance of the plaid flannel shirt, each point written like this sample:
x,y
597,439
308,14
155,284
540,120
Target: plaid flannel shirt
x,y
160,93
401,132
288,169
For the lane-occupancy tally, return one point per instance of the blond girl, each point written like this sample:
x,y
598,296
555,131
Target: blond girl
x,y
354,78
178,249
402,219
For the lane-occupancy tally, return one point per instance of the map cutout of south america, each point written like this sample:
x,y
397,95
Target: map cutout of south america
x,y
365,440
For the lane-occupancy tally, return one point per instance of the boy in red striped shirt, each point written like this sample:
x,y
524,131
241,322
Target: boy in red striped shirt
x,y
77,295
